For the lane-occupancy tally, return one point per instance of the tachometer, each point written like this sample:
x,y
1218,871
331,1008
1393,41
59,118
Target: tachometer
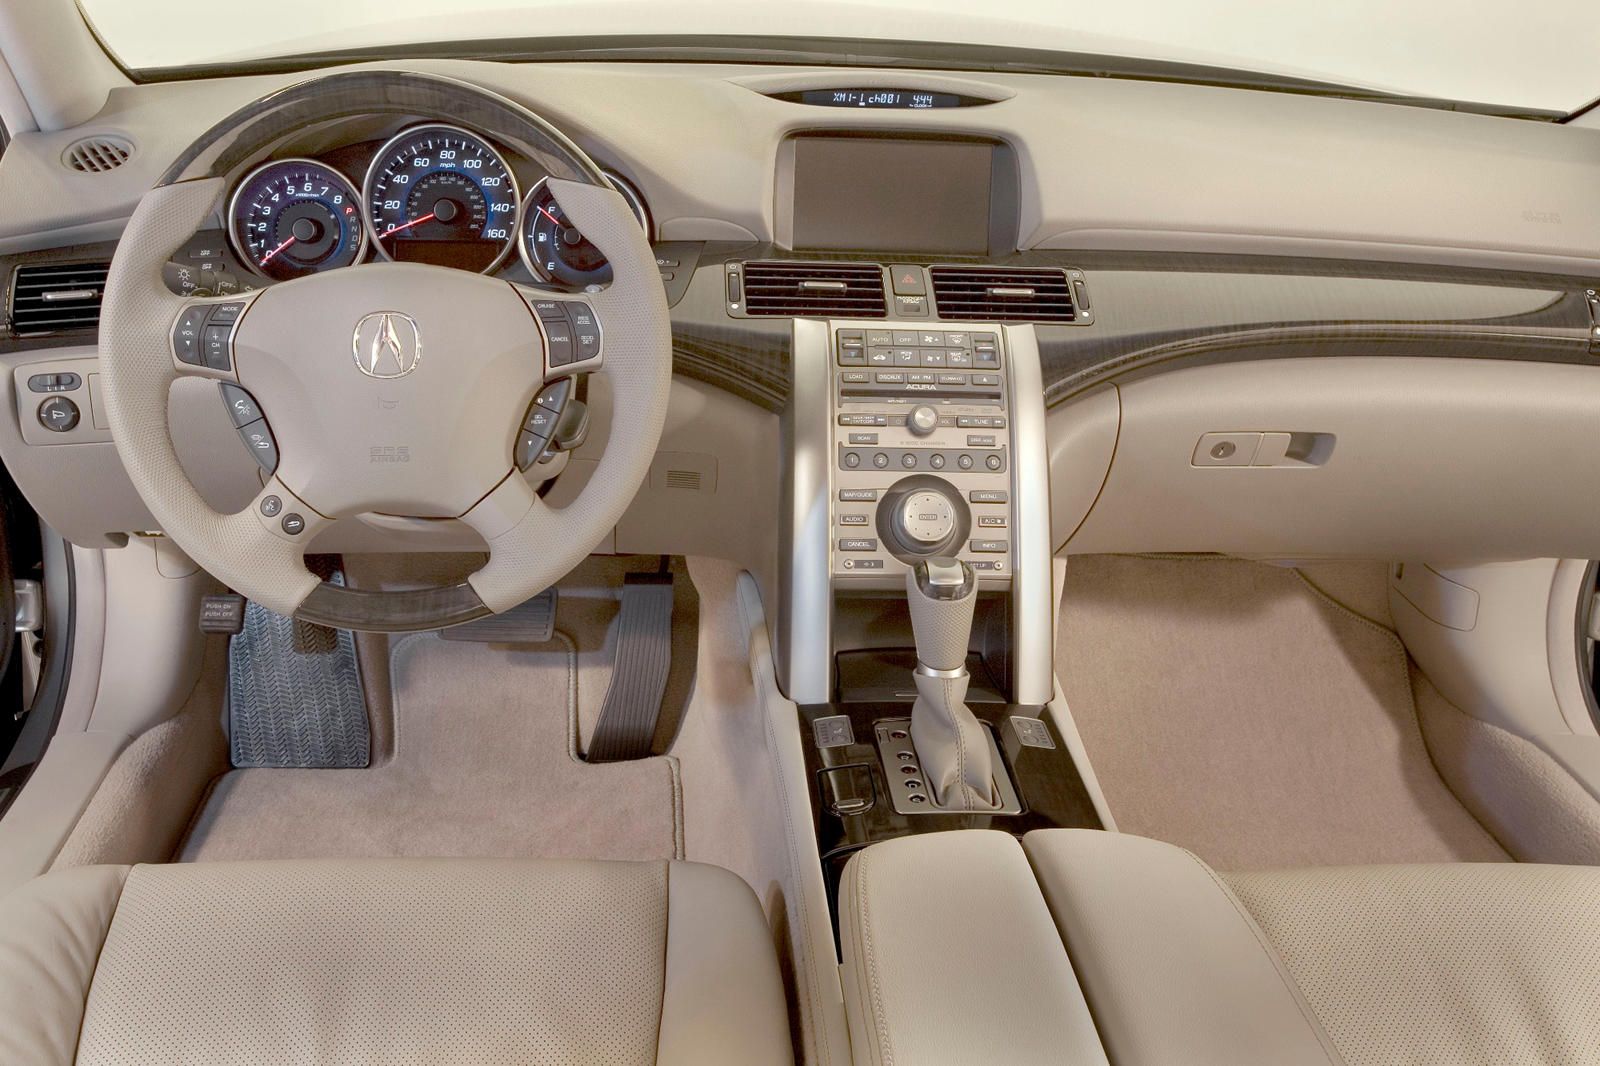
x,y
553,248
438,194
293,217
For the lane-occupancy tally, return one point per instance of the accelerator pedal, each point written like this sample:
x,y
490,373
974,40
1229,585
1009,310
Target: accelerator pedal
x,y
657,644
529,622
295,697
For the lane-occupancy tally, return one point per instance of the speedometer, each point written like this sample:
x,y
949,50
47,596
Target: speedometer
x,y
438,194
293,217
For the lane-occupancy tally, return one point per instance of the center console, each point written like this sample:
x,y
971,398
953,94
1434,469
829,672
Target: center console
x,y
922,452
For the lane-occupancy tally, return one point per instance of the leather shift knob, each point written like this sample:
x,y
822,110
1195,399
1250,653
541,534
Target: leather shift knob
x,y
942,594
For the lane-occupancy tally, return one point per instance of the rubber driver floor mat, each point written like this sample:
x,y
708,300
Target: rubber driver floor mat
x,y
295,697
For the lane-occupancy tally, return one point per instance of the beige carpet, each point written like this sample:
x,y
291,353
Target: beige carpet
x,y
1229,707
481,765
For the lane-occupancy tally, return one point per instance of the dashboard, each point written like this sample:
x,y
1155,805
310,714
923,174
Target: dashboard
x,y
1195,228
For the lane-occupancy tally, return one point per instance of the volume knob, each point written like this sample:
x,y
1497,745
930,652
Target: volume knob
x,y
922,421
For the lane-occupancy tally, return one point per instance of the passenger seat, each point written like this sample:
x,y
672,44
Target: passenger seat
x,y
1079,945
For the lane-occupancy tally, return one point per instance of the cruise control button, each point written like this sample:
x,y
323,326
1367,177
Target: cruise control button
x,y
215,346
258,438
562,350
585,329
550,310
242,406
858,544
293,524
58,414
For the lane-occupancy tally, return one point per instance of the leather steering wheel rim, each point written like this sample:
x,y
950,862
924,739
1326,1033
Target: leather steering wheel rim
x,y
531,545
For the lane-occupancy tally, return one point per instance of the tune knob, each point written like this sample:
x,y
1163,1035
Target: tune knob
x,y
922,421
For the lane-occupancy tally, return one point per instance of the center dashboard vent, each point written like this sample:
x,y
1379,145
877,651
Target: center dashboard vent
x,y
1003,294
56,298
814,290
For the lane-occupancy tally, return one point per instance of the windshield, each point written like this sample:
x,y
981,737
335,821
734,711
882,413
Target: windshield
x,y
1538,57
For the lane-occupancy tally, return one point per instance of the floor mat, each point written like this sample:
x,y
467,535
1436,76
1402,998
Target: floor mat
x,y
1228,707
481,765
294,695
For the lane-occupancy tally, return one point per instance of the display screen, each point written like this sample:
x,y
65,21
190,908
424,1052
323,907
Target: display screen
x,y
865,194
891,98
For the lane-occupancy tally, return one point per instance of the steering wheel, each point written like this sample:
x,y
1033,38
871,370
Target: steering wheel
x,y
395,388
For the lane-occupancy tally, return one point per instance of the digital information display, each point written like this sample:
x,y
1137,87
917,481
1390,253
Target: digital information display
x,y
899,99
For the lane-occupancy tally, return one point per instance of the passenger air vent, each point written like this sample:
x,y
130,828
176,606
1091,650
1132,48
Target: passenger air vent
x,y
1002,294
98,154
58,298
814,290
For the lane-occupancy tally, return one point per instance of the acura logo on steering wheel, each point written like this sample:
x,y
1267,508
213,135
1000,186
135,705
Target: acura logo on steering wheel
x,y
387,345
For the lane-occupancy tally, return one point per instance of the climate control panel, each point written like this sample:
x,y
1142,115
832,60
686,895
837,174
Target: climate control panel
x,y
922,451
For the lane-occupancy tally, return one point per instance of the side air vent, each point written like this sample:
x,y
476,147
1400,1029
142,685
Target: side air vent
x,y
56,298
98,154
1002,294
814,290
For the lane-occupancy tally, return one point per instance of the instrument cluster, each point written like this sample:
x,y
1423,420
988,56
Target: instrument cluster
x,y
433,193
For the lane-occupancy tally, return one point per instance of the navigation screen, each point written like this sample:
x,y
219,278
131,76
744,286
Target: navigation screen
x,y
865,194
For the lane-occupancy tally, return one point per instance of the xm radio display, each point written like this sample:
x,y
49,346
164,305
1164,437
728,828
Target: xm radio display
x,y
899,99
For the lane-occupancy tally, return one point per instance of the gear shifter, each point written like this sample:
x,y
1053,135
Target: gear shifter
x,y
950,743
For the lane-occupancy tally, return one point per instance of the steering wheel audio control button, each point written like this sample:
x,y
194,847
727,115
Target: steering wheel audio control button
x,y
186,336
242,406
216,347
293,524
58,414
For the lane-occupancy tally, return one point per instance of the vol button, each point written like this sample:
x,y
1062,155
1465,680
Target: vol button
x,y
922,421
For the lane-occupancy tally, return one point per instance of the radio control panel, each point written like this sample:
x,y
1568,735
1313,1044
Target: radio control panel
x,y
922,451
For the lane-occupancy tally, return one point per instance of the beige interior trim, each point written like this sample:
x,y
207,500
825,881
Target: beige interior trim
x,y
1388,483
824,1031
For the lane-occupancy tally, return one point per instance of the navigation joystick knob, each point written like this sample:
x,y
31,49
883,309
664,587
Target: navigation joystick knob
x,y
922,421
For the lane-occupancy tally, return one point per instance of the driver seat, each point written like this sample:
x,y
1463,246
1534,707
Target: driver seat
x,y
392,961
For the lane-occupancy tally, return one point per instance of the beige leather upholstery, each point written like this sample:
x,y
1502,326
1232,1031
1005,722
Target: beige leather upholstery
x,y
393,961
950,957
1472,964
1175,969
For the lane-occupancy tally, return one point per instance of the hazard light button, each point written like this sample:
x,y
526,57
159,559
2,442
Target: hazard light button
x,y
908,280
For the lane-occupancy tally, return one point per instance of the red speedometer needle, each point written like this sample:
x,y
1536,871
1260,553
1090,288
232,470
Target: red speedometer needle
x,y
392,230
268,257
547,214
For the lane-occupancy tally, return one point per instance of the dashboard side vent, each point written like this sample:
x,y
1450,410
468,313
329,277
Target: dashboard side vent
x,y
1003,294
97,154
56,298
814,290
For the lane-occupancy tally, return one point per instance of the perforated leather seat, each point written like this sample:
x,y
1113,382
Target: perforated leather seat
x,y
1032,951
391,961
